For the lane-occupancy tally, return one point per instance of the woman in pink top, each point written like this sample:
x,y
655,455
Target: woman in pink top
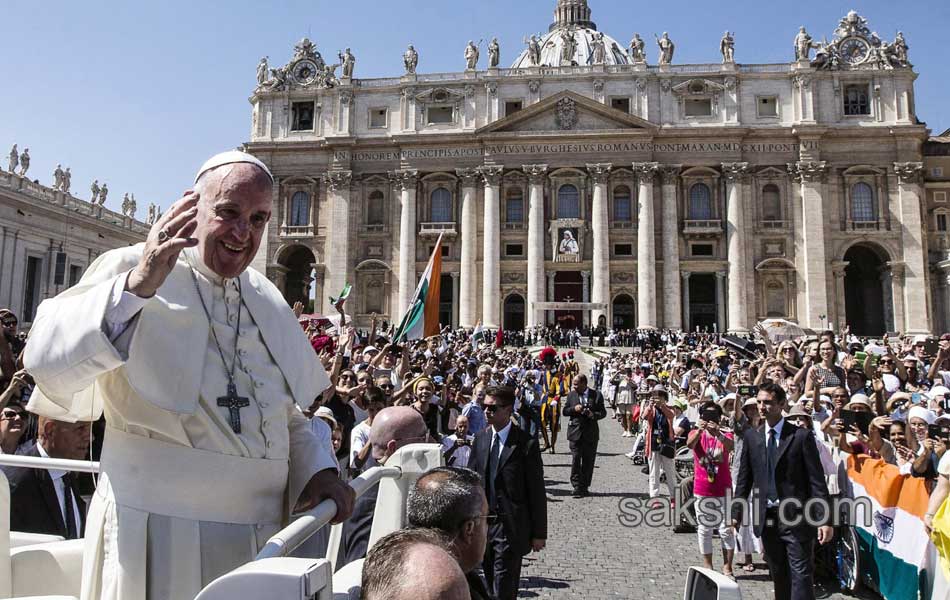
x,y
711,449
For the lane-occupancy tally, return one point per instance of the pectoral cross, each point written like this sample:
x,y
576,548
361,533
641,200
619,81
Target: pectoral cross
x,y
234,404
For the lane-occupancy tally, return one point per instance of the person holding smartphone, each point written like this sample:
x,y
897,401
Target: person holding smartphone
x,y
711,449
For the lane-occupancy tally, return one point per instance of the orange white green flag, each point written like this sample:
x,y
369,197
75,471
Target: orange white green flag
x,y
422,317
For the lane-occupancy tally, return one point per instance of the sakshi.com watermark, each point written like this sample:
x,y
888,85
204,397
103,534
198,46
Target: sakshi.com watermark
x,y
712,511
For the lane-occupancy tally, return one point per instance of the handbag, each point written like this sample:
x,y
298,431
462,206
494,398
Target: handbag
x,y
667,450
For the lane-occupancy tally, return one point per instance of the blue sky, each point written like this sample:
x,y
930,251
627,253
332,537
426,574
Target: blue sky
x,y
138,95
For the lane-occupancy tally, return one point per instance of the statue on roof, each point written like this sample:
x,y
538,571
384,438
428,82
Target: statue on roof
x,y
637,49
471,56
262,72
58,178
348,61
103,193
727,47
94,188
24,162
666,48
534,50
598,51
900,49
569,47
494,54
410,60
803,44
67,180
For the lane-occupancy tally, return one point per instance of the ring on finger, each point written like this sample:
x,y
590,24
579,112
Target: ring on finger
x,y
163,236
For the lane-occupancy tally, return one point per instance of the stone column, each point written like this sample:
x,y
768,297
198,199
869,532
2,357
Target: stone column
x,y
468,279
838,272
672,317
338,242
720,301
916,313
646,246
455,300
810,176
737,314
491,252
547,316
536,177
405,182
599,221
585,297
685,318
898,284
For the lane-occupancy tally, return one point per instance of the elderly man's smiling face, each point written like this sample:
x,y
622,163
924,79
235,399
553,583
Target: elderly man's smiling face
x,y
233,211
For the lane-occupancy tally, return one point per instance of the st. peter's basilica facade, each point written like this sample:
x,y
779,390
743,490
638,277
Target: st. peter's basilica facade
x,y
591,171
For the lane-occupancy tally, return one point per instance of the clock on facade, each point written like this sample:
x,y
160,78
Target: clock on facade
x,y
854,50
305,71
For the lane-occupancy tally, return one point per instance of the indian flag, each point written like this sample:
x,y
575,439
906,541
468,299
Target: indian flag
x,y
895,548
422,318
478,335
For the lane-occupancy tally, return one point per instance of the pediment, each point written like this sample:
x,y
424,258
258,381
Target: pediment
x,y
567,112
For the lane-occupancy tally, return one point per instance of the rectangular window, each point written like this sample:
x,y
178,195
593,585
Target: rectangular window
x,y
302,113
856,100
445,250
514,209
513,106
31,291
623,249
698,107
378,117
75,274
942,222
621,104
439,114
767,106
514,250
936,172
940,196
701,249
59,276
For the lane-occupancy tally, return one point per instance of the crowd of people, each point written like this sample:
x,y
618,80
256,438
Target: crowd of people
x,y
674,394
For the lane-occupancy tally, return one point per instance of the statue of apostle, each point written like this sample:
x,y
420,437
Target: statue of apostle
x,y
14,160
262,72
200,368
494,54
410,60
67,180
727,47
348,61
471,56
95,189
803,44
58,178
666,49
637,49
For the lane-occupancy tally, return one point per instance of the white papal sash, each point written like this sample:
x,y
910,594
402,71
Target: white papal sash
x,y
187,483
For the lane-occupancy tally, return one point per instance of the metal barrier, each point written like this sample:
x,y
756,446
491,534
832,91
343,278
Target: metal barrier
x,y
58,464
291,537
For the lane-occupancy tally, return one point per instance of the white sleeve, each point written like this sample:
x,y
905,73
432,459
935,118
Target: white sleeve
x,y
308,453
122,308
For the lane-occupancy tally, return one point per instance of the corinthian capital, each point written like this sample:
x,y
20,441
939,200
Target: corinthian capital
x,y
600,173
491,174
736,172
469,177
670,173
404,179
536,173
646,171
908,172
808,172
337,180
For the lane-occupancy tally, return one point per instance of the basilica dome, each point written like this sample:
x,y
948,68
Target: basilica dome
x,y
571,40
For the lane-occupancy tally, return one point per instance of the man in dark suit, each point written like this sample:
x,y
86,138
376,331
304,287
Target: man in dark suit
x,y
781,468
585,406
48,501
509,461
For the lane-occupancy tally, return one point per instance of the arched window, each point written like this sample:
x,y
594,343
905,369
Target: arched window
x,y
374,208
622,210
441,206
300,209
514,206
775,299
700,203
771,203
568,202
862,203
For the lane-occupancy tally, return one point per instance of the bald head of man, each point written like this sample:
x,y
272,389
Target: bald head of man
x,y
413,564
395,427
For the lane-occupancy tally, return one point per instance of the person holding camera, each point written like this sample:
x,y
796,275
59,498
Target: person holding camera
x,y
711,448
584,406
659,448
457,447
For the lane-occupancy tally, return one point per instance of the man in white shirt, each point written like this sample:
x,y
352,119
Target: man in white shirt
x,y
457,447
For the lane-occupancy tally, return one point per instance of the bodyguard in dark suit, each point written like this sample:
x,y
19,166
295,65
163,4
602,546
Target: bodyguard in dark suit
x,y
780,465
509,461
585,406
48,501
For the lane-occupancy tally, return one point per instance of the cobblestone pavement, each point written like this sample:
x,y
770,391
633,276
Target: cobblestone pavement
x,y
590,555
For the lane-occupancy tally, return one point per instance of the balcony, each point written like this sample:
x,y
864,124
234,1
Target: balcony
x,y
513,226
773,224
702,227
622,224
432,230
865,225
296,231
373,228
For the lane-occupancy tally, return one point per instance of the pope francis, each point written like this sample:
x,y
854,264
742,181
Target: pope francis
x,y
199,367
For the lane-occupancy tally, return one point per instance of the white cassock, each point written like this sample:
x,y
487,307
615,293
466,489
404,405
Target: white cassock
x,y
182,499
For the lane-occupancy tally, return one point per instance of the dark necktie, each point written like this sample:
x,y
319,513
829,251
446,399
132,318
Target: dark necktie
x,y
771,454
492,468
69,514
